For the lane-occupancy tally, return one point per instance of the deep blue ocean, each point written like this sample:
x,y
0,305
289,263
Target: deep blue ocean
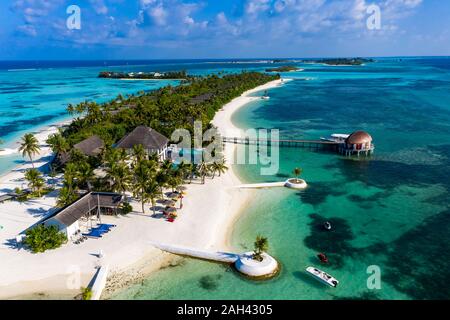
x,y
390,211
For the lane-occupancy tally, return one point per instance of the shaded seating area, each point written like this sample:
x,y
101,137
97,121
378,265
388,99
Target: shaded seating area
x,y
78,218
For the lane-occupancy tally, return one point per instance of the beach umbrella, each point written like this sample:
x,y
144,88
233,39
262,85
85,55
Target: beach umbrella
x,y
181,189
174,195
172,211
169,202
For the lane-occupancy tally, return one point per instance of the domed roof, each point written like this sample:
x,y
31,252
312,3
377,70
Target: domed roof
x,y
359,137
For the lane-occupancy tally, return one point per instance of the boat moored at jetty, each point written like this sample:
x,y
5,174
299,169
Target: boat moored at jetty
x,y
322,276
336,137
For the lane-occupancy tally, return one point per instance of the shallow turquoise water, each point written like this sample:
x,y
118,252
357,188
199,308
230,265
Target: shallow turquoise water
x,y
391,210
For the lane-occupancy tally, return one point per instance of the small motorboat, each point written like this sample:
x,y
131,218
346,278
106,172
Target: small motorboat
x,y
327,225
322,257
323,277
265,96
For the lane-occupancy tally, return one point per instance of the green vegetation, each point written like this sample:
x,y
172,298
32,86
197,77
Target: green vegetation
x,y
35,181
86,293
164,110
42,238
261,245
344,61
29,146
174,75
126,208
283,69
297,172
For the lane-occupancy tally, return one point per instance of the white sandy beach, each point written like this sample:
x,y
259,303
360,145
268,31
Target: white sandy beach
x,y
201,224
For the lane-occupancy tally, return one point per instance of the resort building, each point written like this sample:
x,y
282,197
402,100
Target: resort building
x,y
90,147
151,140
77,216
356,143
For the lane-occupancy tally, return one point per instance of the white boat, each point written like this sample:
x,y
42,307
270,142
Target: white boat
x,y
323,276
336,137
265,96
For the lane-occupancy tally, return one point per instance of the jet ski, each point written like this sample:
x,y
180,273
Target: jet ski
x,y
323,258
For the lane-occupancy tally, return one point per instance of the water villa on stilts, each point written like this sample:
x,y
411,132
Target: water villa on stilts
x,y
359,142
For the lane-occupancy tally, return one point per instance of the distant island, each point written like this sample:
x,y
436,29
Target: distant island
x,y
283,69
343,61
170,75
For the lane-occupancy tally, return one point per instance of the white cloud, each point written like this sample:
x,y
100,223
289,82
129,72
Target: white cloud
x,y
99,6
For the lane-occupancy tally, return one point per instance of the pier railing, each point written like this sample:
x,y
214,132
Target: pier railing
x,y
312,144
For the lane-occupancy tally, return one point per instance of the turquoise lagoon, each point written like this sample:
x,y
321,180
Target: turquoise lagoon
x,y
391,210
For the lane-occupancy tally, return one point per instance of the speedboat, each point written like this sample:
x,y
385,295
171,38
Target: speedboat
x,y
323,276
336,137
265,96
327,225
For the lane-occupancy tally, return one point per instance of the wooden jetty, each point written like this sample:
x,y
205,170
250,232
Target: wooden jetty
x,y
310,144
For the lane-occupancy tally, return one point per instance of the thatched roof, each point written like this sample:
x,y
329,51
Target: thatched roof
x,y
91,146
88,202
147,137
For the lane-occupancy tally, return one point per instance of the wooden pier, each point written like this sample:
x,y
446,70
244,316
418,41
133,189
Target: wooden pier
x,y
310,144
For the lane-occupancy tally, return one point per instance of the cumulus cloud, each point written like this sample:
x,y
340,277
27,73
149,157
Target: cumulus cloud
x,y
173,23
99,6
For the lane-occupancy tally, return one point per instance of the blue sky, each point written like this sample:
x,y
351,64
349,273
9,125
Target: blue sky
x,y
158,29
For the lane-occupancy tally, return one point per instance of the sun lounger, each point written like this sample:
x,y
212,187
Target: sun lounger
x,y
93,234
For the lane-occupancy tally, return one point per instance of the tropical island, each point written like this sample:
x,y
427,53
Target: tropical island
x,y
343,61
283,69
170,75
113,179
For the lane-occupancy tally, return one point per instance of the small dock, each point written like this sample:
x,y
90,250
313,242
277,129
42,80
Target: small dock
x,y
223,257
99,282
262,185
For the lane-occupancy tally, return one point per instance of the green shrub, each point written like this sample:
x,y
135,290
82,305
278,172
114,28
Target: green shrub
x,y
42,238
126,208
86,293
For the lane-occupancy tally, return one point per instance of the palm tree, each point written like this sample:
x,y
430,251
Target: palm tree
x,y
29,146
152,192
70,174
138,153
142,176
65,197
119,176
219,167
71,109
35,180
261,245
184,169
85,174
58,144
297,172
203,170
